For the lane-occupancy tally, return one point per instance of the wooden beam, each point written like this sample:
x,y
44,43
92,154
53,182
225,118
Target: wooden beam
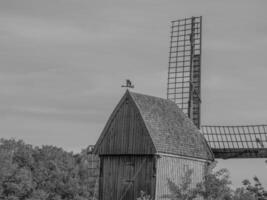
x,y
240,153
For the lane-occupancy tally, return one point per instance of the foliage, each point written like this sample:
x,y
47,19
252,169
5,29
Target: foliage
x,y
46,173
215,186
183,190
251,192
144,196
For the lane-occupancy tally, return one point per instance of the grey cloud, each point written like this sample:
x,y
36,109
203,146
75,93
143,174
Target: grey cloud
x,y
62,62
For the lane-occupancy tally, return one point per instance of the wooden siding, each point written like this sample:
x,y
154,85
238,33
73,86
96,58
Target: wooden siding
x,y
174,168
126,133
123,177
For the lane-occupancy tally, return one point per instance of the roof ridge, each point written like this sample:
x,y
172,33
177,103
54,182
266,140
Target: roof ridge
x,y
168,100
152,96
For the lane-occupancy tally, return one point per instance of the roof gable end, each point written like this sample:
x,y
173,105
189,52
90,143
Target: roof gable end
x,y
125,131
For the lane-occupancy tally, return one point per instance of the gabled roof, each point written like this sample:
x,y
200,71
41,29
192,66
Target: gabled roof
x,y
171,131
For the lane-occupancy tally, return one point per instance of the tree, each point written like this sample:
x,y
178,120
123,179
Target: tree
x,y
216,185
243,194
255,191
144,196
44,173
16,180
183,190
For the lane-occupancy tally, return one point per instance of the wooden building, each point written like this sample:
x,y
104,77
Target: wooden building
x,y
146,141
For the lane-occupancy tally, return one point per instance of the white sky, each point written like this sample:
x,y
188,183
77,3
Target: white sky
x,y
62,63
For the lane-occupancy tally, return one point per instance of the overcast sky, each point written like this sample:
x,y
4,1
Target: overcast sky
x,y
62,63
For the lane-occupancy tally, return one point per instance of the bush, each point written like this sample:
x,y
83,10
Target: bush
x,y
144,196
216,186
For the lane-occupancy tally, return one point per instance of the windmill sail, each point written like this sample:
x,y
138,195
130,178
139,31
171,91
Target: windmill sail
x,y
248,141
184,86
184,66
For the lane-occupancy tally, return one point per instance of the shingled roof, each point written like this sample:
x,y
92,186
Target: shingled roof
x,y
171,131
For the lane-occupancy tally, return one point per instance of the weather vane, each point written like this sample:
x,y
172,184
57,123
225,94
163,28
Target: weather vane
x,y
128,84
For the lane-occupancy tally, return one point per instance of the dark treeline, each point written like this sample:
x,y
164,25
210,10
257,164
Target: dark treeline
x,y
50,173
41,173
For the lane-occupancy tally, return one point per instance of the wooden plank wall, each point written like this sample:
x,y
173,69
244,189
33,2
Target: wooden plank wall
x,y
127,133
174,168
123,177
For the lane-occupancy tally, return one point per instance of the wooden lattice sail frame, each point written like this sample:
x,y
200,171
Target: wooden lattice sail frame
x,y
248,141
184,88
184,66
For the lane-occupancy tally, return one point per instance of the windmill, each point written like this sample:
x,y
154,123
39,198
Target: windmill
x,y
184,88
